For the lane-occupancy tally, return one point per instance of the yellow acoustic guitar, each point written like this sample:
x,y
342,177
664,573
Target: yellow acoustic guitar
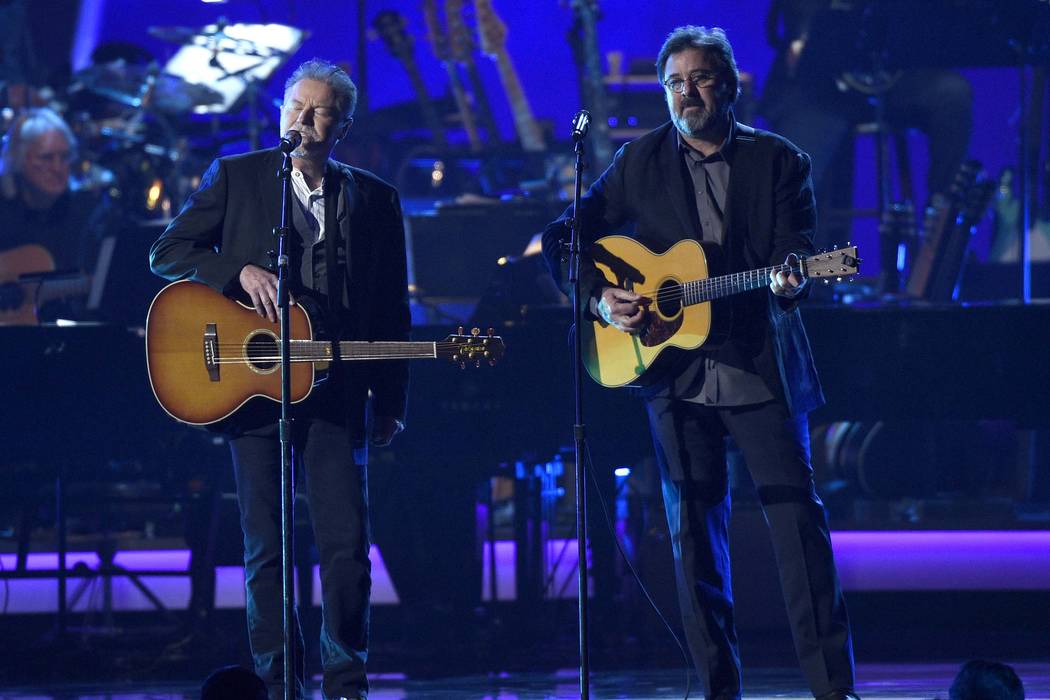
x,y
681,293
208,355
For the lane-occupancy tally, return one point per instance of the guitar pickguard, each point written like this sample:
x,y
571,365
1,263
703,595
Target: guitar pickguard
x,y
659,330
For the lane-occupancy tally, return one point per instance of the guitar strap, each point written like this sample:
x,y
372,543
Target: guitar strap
x,y
333,193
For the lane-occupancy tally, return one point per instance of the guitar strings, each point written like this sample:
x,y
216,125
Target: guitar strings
x,y
713,284
236,356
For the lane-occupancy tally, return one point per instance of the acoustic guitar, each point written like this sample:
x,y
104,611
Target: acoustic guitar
x,y
28,280
681,295
207,355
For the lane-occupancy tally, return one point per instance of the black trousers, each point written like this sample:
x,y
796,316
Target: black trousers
x,y
335,485
690,448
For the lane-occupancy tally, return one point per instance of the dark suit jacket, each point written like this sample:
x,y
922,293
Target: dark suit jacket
x,y
228,222
770,213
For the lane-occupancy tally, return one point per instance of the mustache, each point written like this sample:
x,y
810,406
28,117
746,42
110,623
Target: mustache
x,y
691,103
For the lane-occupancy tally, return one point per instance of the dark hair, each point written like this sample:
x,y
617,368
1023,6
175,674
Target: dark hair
x,y
331,75
712,41
986,680
233,683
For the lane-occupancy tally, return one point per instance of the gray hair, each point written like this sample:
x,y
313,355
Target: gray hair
x,y
28,127
713,42
334,77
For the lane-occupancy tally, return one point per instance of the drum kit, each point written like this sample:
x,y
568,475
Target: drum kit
x,y
138,138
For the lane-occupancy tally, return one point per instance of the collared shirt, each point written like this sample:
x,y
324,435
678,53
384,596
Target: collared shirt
x,y
724,384
308,219
311,203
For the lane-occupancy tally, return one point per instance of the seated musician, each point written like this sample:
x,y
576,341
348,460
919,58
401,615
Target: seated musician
x,y
38,206
813,102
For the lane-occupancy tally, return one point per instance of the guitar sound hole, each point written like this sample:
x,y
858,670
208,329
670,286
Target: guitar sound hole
x,y
262,352
11,296
669,299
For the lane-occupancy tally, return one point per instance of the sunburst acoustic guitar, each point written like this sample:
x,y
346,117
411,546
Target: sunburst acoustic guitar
x,y
28,280
207,355
681,293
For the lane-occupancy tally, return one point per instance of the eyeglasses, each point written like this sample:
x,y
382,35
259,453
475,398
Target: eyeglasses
x,y
698,79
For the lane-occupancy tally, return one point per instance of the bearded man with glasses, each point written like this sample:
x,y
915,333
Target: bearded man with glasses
x,y
747,192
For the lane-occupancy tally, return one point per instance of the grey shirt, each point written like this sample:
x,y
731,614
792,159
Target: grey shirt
x,y
723,384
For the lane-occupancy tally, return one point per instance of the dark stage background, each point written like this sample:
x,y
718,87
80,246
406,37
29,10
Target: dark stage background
x,y
909,446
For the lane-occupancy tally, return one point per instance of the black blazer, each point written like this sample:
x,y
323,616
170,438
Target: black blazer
x,y
228,223
646,193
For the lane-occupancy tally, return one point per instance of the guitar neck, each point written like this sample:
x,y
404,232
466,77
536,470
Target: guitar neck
x,y
524,122
430,115
61,288
481,101
321,351
592,85
463,105
699,291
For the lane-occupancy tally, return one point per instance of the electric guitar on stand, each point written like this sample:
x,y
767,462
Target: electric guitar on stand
x,y
391,28
583,37
682,296
461,47
493,33
208,355
439,45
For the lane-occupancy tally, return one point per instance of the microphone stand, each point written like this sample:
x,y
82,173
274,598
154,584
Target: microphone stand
x,y
285,427
580,124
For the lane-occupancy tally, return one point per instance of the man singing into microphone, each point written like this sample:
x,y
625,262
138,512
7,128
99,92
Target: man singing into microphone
x,y
348,260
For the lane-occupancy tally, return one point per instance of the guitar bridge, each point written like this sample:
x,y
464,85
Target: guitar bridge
x,y
211,351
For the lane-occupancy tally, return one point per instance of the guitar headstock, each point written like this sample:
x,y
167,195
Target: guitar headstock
x,y
460,42
473,348
435,31
391,27
491,29
832,264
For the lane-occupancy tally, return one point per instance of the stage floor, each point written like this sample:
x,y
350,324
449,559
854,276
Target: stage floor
x,y
882,681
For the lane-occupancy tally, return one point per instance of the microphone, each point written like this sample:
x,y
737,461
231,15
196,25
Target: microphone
x,y
290,141
580,124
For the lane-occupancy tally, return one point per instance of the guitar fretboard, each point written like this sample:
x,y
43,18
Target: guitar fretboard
x,y
320,351
699,291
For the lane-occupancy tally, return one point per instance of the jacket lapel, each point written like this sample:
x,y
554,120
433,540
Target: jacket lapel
x,y
741,183
671,166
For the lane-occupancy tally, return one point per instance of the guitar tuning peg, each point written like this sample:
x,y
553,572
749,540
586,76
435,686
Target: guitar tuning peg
x,y
492,363
459,331
477,363
475,331
491,332
827,281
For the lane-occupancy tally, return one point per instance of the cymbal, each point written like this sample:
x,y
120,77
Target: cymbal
x,y
142,86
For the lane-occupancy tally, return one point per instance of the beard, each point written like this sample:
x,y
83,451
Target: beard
x,y
696,122
309,137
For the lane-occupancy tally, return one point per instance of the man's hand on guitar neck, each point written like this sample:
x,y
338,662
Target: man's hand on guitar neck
x,y
786,285
261,286
622,309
